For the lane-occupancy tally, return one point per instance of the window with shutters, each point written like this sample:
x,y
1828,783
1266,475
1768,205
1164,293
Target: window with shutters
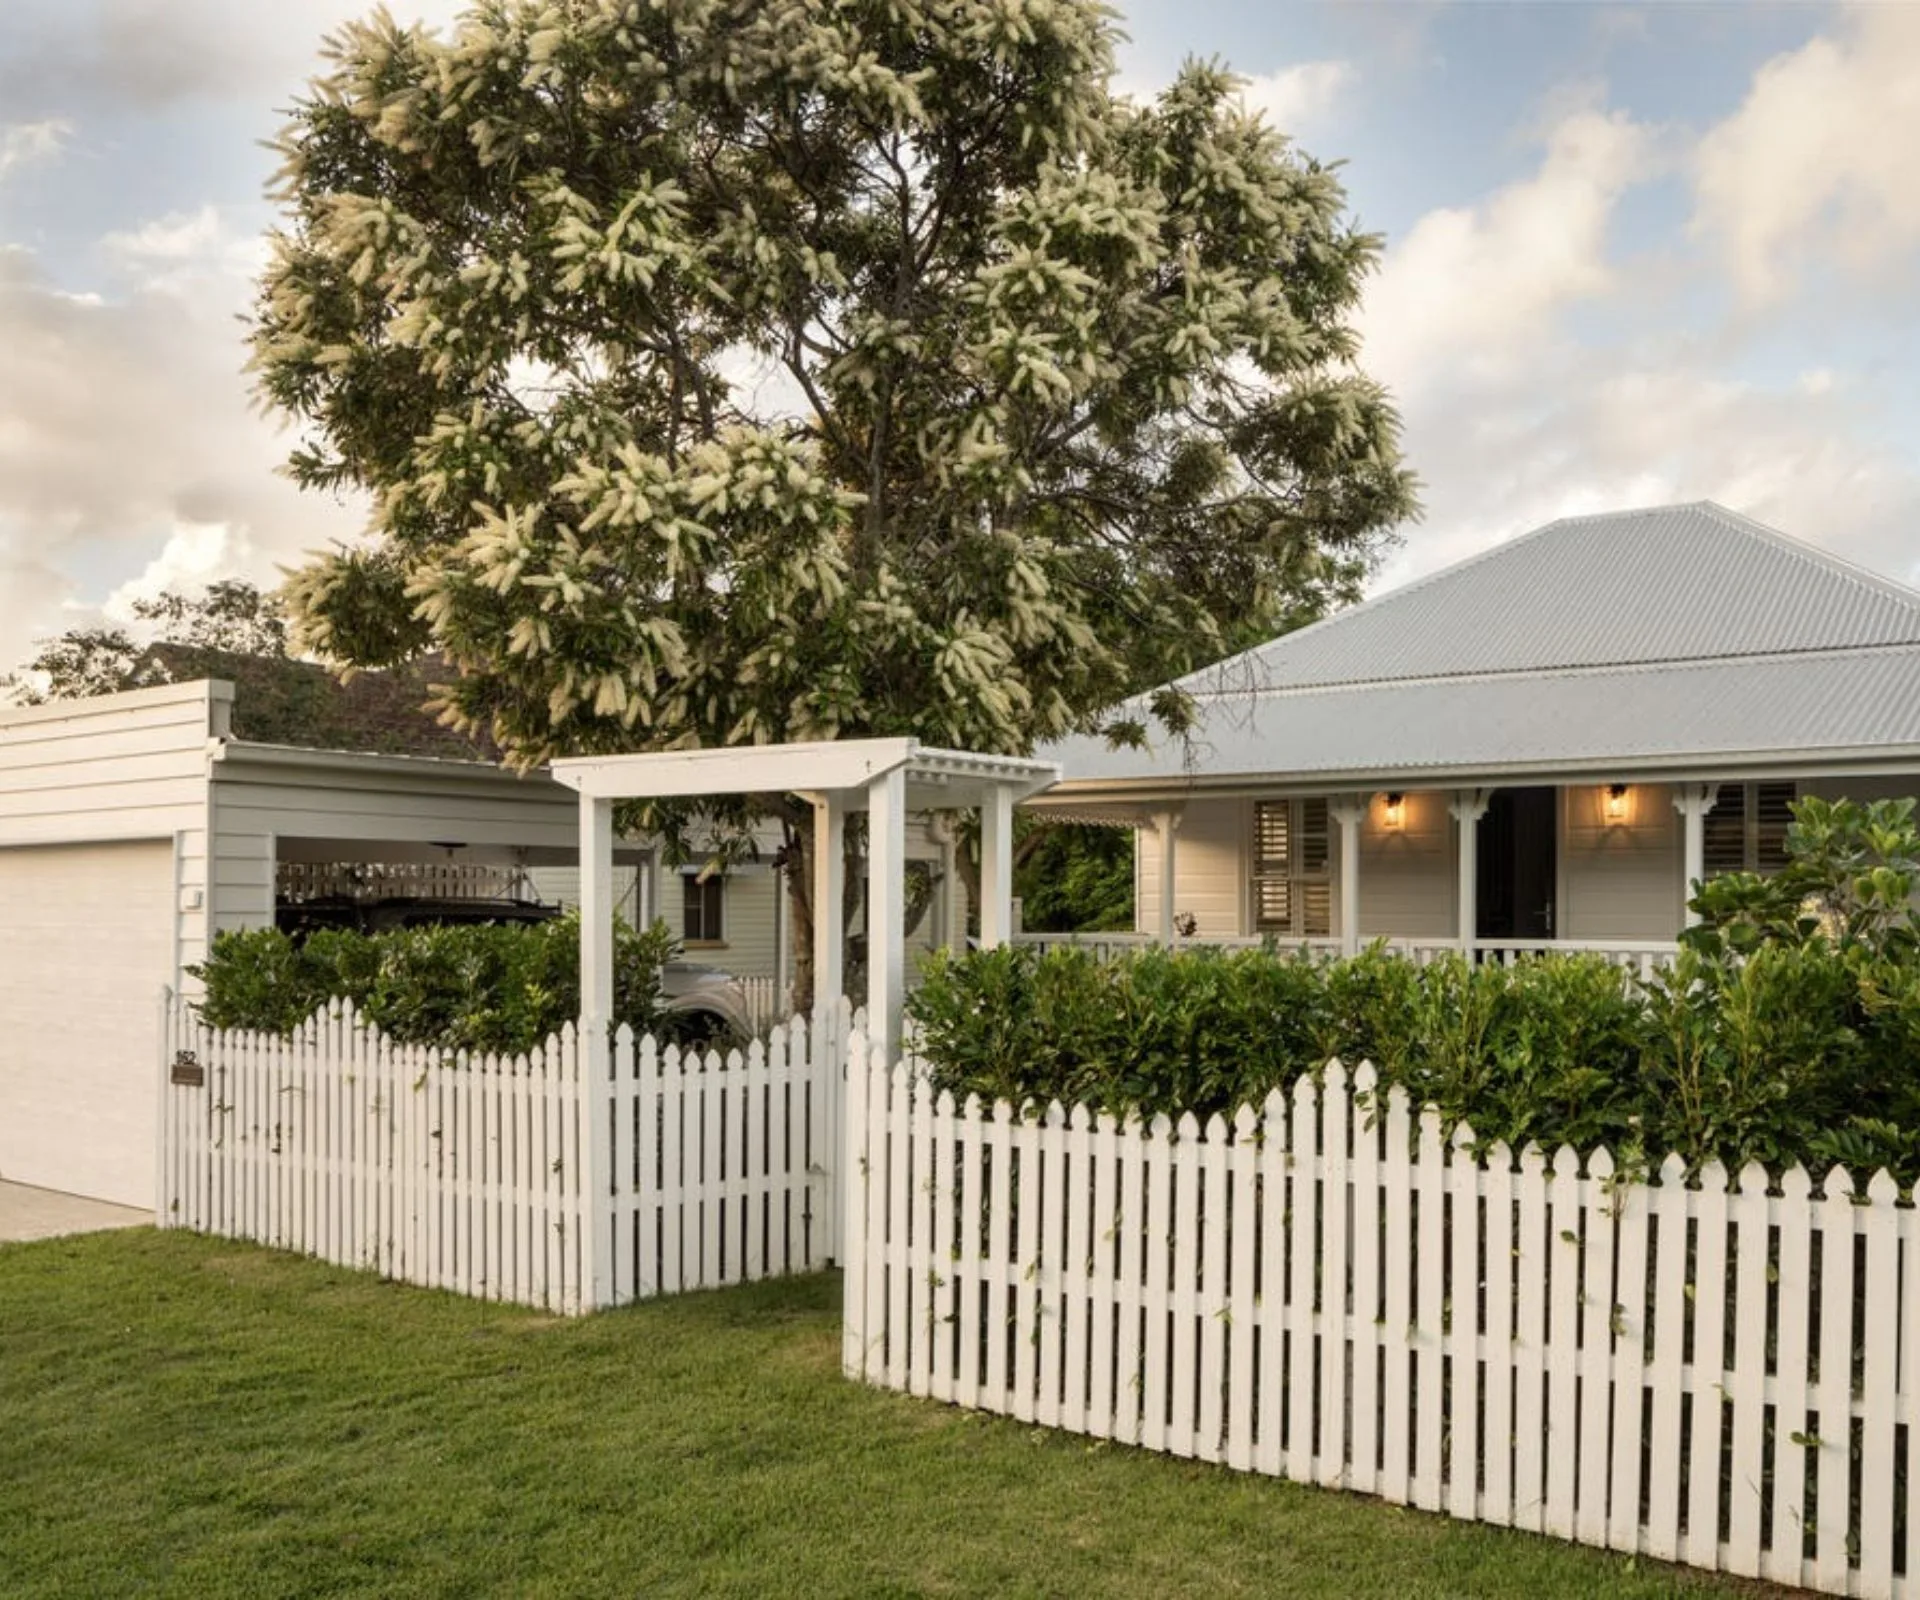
x,y
1746,831
1292,866
701,903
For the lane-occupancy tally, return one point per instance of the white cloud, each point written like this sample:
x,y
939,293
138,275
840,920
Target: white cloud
x,y
1592,432
1298,96
1470,292
152,54
188,252
180,236
1817,162
129,444
195,554
33,598
1518,410
28,144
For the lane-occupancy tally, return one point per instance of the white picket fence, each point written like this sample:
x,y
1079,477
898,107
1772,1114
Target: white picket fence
x,y
1724,1376
493,1175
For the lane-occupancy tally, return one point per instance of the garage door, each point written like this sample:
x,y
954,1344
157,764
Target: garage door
x,y
86,940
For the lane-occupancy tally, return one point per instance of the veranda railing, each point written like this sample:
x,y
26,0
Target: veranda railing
x,y
1639,955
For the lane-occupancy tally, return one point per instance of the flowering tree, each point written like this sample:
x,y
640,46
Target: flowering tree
x,y
739,370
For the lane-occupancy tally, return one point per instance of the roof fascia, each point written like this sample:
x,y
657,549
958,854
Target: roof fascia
x,y
1078,794
241,759
825,765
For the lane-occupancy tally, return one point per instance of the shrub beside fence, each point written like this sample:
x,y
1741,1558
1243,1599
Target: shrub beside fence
x,y
542,1178
1719,1374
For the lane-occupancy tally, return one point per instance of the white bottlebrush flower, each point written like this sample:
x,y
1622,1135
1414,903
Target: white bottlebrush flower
x,y
828,433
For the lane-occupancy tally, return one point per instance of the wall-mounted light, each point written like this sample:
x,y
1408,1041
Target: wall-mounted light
x,y
1393,815
1614,807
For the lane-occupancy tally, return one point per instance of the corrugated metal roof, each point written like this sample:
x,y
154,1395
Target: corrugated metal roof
x,y
1641,635
1676,583
1831,701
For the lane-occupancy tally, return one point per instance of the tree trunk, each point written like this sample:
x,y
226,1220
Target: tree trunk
x,y
796,861
796,864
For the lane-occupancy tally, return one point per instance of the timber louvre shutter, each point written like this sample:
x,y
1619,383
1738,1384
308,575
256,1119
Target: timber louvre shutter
x,y
1292,884
1746,831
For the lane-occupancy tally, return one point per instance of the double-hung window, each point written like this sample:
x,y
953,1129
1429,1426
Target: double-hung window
x,y
1292,868
702,900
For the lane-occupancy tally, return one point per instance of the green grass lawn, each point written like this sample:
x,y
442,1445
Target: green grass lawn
x,y
182,1416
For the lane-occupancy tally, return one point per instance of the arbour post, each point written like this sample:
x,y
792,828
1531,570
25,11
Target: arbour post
x,y
829,901
596,908
996,868
595,1043
828,1042
886,906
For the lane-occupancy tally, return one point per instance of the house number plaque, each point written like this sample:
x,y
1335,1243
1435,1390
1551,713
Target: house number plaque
x,y
188,1071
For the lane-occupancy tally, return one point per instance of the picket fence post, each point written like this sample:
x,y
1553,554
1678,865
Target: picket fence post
x,y
853,1243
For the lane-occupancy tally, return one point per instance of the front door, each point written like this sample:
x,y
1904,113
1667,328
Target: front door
x,y
1518,865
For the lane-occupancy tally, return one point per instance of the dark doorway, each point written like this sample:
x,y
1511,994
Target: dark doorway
x,y
1518,865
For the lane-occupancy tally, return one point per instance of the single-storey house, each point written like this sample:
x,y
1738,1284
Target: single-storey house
x,y
1542,746
135,826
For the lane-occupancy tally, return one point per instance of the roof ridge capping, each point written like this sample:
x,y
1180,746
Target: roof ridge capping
x,y
1270,656
1791,544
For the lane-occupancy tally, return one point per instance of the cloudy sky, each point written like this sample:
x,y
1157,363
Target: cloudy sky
x,y
1635,253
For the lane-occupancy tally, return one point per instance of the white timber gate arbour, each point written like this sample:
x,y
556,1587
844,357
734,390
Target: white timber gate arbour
x,y
1724,1373
885,778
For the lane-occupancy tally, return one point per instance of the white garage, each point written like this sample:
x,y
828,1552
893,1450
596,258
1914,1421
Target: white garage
x,y
77,1061
132,827
135,826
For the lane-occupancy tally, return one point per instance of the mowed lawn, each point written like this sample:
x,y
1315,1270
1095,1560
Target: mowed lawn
x,y
182,1416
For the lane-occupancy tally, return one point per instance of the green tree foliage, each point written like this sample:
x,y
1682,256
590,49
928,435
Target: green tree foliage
x,y
233,630
229,618
726,371
1075,877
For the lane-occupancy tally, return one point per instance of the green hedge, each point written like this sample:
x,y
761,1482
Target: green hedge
x,y
468,987
1788,1029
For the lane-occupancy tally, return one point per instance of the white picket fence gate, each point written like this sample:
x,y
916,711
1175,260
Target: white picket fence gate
x,y
1718,1375
548,1179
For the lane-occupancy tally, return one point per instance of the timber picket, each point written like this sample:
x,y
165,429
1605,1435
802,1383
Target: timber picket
x,y
470,1172
1336,1289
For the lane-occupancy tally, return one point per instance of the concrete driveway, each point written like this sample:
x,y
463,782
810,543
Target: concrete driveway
x,y
42,1214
